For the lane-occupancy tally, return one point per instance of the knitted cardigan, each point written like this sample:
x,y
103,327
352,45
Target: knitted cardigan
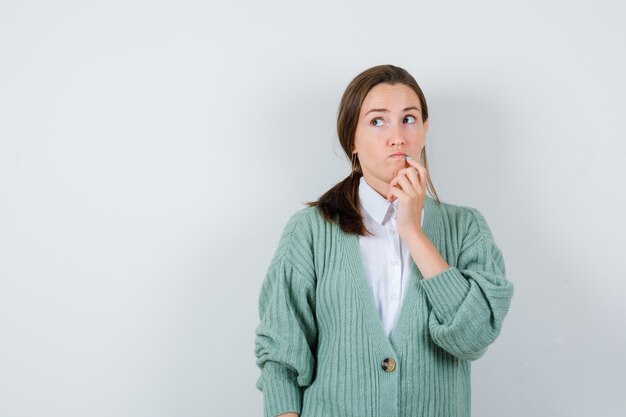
x,y
321,347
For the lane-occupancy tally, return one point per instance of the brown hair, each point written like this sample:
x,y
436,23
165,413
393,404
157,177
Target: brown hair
x,y
340,204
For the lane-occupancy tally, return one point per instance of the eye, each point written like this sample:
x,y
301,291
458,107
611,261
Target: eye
x,y
409,119
376,122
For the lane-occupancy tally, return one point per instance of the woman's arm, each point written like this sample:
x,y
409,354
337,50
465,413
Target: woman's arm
x,y
287,334
470,299
425,255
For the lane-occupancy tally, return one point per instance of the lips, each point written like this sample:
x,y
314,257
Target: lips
x,y
397,154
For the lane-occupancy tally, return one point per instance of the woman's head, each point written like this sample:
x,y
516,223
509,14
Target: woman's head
x,y
374,135
382,111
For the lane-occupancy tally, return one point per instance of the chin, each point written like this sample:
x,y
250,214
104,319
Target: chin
x,y
395,171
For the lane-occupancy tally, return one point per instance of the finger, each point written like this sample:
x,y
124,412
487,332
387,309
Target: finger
x,y
413,175
423,172
393,182
397,193
406,179
406,184
396,181
420,168
413,164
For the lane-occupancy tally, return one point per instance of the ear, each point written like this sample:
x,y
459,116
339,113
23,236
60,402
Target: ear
x,y
425,127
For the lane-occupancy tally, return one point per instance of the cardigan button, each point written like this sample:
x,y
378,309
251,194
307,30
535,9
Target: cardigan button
x,y
389,365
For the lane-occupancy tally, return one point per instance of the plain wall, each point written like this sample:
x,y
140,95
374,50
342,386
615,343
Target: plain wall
x,y
151,153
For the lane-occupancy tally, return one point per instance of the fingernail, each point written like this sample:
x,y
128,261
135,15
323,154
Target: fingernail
x,y
408,157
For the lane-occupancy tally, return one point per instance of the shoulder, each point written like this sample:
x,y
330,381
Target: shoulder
x,y
469,221
297,240
303,222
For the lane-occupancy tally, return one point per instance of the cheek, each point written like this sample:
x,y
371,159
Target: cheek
x,y
416,134
367,142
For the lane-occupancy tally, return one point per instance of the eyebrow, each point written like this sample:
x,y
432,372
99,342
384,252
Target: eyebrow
x,y
385,110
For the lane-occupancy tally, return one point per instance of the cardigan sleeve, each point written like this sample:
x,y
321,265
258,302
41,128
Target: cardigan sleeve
x,y
470,300
286,337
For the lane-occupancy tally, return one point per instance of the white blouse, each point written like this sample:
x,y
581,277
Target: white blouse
x,y
386,257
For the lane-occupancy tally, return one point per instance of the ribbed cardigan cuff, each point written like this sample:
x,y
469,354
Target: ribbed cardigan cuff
x,y
281,393
446,292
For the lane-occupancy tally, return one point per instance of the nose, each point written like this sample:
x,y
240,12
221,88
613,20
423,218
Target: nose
x,y
397,141
397,138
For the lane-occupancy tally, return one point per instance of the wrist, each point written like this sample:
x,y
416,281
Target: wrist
x,y
414,234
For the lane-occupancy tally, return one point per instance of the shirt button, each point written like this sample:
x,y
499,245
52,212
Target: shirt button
x,y
392,232
394,296
394,263
389,365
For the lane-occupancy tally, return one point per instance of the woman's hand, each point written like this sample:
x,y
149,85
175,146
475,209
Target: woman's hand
x,y
409,187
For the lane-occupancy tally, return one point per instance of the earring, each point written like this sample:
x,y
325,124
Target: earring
x,y
353,164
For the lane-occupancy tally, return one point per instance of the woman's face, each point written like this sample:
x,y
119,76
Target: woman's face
x,y
390,122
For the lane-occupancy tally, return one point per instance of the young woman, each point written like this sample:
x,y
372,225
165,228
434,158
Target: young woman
x,y
379,296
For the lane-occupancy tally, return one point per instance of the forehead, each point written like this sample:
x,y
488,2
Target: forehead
x,y
391,97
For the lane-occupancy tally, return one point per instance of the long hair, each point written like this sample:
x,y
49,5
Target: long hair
x,y
340,204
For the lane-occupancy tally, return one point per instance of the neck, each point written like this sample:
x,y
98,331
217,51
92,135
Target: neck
x,y
381,187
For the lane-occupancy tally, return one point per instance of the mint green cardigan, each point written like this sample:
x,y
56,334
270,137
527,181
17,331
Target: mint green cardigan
x,y
321,347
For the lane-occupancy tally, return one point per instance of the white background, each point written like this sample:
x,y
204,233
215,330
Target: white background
x,y
152,151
